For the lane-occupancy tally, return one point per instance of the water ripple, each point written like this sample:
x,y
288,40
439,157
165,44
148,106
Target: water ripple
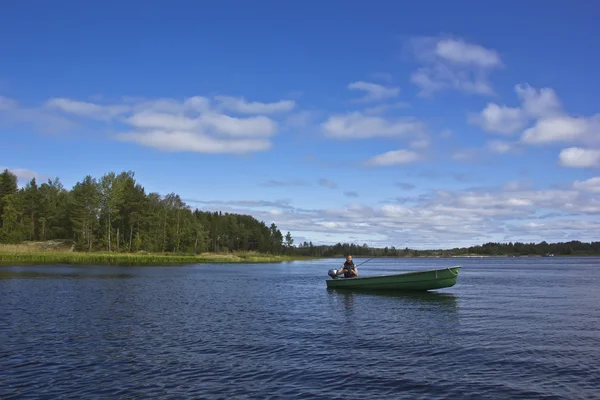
x,y
272,332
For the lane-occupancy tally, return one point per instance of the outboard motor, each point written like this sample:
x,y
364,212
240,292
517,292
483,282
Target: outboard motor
x,y
332,273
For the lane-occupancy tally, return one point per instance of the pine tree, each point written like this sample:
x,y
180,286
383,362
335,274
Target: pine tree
x,y
31,206
8,186
13,230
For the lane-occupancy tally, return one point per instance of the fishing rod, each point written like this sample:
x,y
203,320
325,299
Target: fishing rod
x,y
364,262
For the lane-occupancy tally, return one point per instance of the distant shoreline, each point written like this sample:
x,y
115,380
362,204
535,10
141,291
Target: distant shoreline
x,y
470,256
46,253
133,259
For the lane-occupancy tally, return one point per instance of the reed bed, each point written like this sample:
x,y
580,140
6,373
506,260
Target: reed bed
x,y
29,247
31,254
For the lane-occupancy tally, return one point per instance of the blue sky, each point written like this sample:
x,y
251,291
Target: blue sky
x,y
431,124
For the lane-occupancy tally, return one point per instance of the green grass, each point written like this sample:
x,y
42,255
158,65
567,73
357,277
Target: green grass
x,y
33,255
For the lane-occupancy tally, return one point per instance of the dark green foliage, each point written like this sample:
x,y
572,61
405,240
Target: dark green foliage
x,y
488,249
574,247
83,208
13,229
115,214
8,186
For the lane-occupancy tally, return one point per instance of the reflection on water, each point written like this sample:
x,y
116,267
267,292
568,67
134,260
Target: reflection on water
x,y
8,274
442,301
407,295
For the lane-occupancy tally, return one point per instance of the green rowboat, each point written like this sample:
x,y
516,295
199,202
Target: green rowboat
x,y
410,281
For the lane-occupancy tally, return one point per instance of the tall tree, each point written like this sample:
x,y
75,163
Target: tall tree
x,y
53,210
8,186
111,198
85,204
289,241
132,209
276,239
13,230
31,205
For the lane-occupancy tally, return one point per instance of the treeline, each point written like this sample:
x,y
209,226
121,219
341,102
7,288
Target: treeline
x,y
488,249
114,213
574,247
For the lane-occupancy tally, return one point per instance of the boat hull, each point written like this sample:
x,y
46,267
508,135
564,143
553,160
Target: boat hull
x,y
410,281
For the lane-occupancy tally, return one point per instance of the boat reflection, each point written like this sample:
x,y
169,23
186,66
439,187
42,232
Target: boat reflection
x,y
429,298
438,312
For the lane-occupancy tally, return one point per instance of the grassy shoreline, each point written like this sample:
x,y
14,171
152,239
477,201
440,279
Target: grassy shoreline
x,y
35,255
137,259
131,259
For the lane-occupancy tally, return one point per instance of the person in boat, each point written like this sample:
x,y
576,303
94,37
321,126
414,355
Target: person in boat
x,y
348,268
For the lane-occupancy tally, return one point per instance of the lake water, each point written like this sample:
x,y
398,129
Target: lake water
x,y
511,328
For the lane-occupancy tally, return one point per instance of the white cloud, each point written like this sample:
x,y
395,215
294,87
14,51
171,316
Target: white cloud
x,y
419,143
499,119
538,103
563,129
355,125
502,119
374,91
194,142
241,105
591,185
85,109
451,63
195,123
209,132
194,104
396,157
576,157
460,52
499,146
197,103
173,118
155,120
550,124
240,127
12,113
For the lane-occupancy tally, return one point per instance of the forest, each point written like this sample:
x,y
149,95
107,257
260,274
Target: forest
x,y
115,214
